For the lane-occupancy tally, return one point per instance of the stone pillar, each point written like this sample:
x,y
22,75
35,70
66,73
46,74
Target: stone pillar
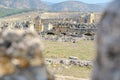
x,y
92,18
38,25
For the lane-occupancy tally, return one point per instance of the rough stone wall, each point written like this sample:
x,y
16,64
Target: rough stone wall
x,y
107,63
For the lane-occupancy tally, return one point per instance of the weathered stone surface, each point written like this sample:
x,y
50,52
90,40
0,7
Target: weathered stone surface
x,y
21,56
107,63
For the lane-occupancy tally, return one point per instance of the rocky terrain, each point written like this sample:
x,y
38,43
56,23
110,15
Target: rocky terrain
x,y
69,62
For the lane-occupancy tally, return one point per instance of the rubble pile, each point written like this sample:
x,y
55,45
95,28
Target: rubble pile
x,y
68,62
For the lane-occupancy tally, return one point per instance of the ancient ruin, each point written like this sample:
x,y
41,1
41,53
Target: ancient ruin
x,y
81,25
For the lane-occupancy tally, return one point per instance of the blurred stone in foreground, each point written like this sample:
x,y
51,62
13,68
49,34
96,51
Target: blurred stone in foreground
x,y
21,56
107,63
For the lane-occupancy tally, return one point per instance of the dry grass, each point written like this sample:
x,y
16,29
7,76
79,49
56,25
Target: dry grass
x,y
74,71
84,50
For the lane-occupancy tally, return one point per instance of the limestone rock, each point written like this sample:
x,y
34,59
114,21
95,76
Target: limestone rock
x,y
21,56
107,63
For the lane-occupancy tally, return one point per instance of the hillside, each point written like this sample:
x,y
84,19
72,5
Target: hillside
x,y
76,6
20,4
62,6
11,7
8,12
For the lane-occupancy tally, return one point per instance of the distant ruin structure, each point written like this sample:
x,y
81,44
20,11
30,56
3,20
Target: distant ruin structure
x,y
38,25
75,24
92,18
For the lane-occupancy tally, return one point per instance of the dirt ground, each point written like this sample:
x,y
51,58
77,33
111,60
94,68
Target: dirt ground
x,y
58,77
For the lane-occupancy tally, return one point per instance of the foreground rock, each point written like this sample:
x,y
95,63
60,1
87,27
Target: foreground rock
x,y
107,62
21,56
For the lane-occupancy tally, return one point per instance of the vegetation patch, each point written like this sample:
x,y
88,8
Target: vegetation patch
x,y
84,50
8,12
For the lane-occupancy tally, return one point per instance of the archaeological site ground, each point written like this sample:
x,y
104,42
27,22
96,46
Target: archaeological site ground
x,y
44,40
